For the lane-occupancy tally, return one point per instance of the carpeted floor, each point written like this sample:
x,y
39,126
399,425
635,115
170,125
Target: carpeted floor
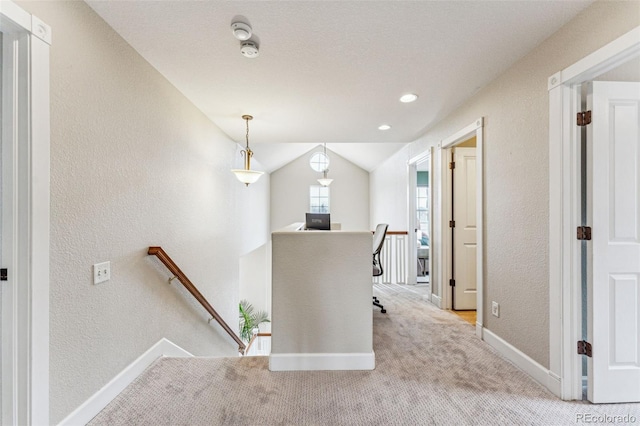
x,y
431,369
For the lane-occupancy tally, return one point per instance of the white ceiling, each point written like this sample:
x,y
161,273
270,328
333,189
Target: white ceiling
x,y
332,71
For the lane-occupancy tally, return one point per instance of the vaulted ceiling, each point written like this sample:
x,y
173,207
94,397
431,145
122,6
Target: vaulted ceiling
x,y
333,71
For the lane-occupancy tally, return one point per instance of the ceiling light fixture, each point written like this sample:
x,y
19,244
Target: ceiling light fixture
x,y
324,180
409,97
247,175
384,127
241,31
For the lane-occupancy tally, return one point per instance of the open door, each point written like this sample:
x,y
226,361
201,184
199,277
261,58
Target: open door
x,y
613,141
464,229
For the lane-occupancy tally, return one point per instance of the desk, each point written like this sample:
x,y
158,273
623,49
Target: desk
x,y
322,317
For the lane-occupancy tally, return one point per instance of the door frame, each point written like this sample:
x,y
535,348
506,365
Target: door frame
x,y
565,368
444,247
26,197
412,170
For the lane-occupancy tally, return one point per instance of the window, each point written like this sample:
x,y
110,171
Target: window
x,y
319,162
423,207
318,199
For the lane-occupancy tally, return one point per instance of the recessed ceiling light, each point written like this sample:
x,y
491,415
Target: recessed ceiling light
x,y
409,97
384,127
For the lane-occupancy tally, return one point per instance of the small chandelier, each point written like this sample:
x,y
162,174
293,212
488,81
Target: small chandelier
x,y
247,175
324,180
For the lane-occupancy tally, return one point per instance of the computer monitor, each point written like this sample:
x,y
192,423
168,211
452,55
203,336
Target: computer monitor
x,y
318,221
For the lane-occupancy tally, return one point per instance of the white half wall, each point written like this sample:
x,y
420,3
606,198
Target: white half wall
x,y
349,192
255,281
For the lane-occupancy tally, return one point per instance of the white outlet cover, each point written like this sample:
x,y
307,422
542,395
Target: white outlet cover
x,y
101,272
495,309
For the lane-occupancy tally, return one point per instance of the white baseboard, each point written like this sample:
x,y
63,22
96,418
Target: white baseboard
x,y
540,374
436,300
554,384
323,361
91,407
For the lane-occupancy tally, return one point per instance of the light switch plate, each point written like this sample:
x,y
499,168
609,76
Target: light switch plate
x,y
101,272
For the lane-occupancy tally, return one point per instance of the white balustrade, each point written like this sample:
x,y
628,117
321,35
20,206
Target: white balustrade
x,y
393,258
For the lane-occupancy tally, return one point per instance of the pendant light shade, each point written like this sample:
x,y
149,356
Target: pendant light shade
x,y
324,180
247,175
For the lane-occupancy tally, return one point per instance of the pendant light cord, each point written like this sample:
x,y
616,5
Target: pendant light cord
x,y
247,134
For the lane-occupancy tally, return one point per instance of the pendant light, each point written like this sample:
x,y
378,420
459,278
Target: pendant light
x,y
325,181
247,175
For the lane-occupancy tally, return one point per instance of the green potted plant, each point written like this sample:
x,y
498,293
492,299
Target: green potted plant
x,y
250,320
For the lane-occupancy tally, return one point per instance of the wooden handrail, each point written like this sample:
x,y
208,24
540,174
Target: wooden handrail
x,y
246,351
170,264
394,232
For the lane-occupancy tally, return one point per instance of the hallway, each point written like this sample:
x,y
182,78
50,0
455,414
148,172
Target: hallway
x,y
430,369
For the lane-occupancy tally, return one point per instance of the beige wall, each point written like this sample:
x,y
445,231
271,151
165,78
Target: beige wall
x,y
134,164
389,183
349,192
515,107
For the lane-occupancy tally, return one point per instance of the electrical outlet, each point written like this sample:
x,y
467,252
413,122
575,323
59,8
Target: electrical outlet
x,y
495,309
101,272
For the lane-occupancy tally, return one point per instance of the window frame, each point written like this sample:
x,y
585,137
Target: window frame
x,y
316,207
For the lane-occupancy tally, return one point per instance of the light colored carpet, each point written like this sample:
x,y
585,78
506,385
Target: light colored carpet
x,y
431,369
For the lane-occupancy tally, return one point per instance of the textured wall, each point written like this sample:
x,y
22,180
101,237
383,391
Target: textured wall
x,y
322,292
134,164
349,192
389,183
515,107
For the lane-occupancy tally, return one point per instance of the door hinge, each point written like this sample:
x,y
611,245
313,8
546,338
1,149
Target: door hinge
x,y
584,232
452,282
584,348
3,274
584,118
452,165
452,224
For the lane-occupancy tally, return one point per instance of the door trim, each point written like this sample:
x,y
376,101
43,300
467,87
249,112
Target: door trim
x,y
565,374
26,141
444,244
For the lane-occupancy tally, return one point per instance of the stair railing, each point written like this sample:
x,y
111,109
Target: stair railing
x,y
253,339
177,273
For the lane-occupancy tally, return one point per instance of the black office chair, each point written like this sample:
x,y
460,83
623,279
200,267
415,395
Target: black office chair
x,y
378,240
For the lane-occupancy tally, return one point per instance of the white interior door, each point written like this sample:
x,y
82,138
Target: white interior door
x,y
614,282
465,231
